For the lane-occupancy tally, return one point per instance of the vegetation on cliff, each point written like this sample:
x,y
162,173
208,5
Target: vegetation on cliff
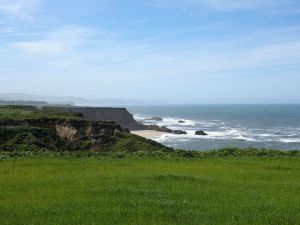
x,y
32,112
32,129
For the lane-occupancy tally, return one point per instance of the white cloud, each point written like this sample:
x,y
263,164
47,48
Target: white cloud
x,y
119,56
97,52
19,8
43,47
269,57
60,41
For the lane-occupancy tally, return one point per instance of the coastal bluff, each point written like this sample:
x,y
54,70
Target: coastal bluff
x,y
120,116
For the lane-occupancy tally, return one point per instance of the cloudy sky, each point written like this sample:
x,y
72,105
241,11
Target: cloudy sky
x,y
181,51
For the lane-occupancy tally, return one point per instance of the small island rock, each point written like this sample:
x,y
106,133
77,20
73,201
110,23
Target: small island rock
x,y
200,132
179,132
155,119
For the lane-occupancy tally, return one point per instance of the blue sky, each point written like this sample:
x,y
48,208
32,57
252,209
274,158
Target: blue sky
x,y
184,51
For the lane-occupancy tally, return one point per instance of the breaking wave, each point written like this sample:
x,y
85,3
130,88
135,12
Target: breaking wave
x,y
219,130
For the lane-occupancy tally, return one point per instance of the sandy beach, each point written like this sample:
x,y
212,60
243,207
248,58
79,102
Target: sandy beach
x,y
150,134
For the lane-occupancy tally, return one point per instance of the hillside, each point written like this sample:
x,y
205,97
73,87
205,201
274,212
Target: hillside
x,y
29,128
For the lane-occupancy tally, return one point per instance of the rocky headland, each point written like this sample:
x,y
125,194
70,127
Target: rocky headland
x,y
120,116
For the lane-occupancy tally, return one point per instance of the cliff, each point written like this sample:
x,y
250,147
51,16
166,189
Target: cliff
x,y
33,129
119,115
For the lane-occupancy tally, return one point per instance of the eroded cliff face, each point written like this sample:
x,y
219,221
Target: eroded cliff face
x,y
119,115
66,132
71,129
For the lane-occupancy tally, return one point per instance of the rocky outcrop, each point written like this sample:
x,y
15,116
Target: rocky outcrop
x,y
179,132
119,115
66,132
89,130
201,132
164,129
157,128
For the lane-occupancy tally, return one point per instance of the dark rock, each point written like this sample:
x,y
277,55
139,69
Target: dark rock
x,y
158,128
118,134
179,132
151,127
164,129
200,132
181,121
155,119
126,130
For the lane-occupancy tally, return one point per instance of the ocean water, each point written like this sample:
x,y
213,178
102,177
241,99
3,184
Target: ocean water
x,y
260,126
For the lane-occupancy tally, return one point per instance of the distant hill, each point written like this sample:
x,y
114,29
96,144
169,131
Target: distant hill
x,y
32,103
53,100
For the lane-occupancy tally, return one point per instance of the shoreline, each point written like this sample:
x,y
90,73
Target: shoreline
x,y
149,134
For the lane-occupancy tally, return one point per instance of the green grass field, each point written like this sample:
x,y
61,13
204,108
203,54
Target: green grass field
x,y
57,190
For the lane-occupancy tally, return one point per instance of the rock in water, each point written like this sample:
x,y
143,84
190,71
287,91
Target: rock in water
x,y
200,132
181,121
155,119
165,129
179,132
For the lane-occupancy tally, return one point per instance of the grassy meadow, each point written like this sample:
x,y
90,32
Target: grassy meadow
x,y
233,190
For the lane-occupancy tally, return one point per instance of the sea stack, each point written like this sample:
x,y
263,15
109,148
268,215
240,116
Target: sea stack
x,y
200,132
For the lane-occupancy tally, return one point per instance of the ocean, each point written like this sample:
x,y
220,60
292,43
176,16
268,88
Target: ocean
x,y
259,126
